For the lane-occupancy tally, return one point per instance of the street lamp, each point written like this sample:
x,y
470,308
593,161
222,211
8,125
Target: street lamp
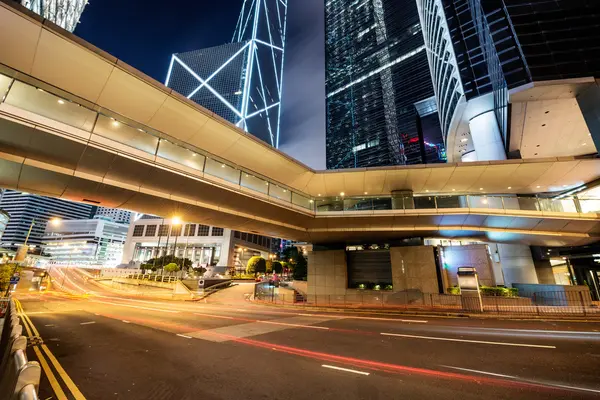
x,y
55,221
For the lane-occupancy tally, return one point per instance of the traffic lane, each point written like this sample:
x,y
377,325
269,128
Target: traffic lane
x,y
111,359
423,353
570,363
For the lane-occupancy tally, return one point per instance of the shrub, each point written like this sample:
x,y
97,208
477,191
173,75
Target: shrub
x,y
277,267
172,267
256,265
454,290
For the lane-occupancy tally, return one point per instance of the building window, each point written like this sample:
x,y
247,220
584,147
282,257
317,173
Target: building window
x,y
176,230
237,234
150,230
203,230
164,230
190,230
217,231
138,230
244,236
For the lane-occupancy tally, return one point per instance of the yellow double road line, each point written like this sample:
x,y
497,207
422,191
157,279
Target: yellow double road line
x,y
58,391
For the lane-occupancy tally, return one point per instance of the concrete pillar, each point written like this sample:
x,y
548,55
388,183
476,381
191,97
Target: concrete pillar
x,y
487,138
517,264
327,272
414,268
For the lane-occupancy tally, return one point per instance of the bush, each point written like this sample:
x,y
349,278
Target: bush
x,y
277,267
499,291
256,265
172,267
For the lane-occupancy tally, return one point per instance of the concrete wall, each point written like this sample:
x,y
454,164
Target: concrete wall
x,y
413,267
327,272
544,272
474,255
517,264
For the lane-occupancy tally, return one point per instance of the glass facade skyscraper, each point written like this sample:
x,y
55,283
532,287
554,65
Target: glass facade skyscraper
x,y
376,70
64,13
24,208
240,81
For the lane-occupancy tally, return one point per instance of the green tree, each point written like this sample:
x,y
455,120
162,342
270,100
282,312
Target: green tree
x,y
172,267
296,262
6,271
269,267
277,267
256,265
160,262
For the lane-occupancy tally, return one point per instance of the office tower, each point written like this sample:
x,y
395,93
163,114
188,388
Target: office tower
x,y
64,13
376,70
25,209
240,81
116,214
515,79
96,242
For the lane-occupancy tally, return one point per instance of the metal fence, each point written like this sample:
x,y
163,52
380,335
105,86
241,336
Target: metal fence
x,y
539,303
153,277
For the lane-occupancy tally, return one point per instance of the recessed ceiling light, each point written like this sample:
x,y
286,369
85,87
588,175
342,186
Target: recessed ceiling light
x,y
584,144
311,201
342,194
480,188
222,165
115,123
464,140
427,191
284,191
319,195
564,185
454,190
510,187
194,154
366,192
538,186
61,101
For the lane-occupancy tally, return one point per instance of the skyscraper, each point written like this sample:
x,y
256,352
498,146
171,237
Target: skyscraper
x,y
515,78
116,214
240,81
25,209
376,70
64,13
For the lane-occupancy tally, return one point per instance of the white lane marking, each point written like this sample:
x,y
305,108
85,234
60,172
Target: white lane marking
x,y
127,322
418,321
96,314
87,323
185,336
50,325
141,308
295,325
541,346
538,331
346,369
523,380
265,322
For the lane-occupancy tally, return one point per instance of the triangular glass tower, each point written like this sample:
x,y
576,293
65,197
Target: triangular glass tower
x,y
240,81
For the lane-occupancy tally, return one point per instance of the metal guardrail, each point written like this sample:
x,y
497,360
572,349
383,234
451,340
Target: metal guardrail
x,y
19,378
537,304
153,277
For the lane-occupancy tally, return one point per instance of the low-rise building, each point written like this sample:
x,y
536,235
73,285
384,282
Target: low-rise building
x,y
150,237
94,242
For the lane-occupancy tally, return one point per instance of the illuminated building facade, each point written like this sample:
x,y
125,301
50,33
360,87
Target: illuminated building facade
x,y
376,70
64,13
240,81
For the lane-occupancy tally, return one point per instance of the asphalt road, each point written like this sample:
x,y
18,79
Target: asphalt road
x,y
126,348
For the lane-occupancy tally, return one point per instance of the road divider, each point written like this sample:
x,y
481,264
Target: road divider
x,y
540,346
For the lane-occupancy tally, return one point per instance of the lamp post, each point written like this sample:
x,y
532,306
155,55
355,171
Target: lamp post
x,y
176,222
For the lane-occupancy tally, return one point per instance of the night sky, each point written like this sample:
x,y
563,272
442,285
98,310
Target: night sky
x,y
144,34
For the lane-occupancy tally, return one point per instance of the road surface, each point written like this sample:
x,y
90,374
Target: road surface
x,y
111,346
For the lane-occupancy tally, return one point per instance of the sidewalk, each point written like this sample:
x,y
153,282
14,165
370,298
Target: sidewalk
x,y
434,313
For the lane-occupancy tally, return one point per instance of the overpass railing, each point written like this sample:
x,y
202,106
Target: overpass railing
x,y
153,277
19,378
150,143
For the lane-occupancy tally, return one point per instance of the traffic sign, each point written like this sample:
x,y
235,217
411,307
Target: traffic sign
x,y
14,279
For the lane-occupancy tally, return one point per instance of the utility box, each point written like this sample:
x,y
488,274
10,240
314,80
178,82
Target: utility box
x,y
468,282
